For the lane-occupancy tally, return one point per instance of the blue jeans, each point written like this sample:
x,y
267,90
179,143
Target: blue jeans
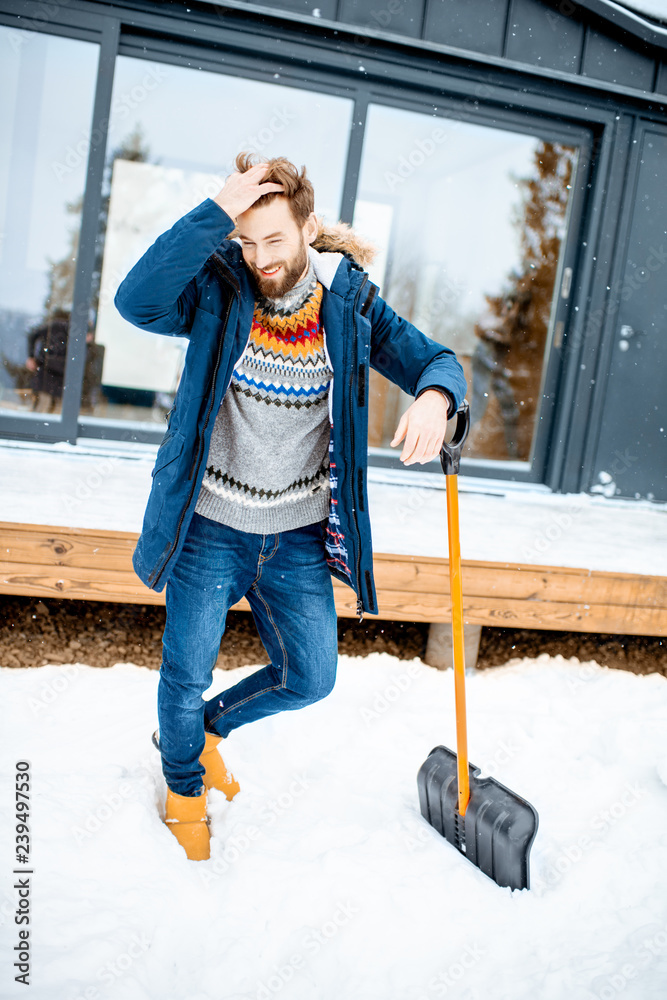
x,y
287,583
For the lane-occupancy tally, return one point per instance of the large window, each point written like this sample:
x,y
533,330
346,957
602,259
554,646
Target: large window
x,y
47,85
475,222
174,134
470,221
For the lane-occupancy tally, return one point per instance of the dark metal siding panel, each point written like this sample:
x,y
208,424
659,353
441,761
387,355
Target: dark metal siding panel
x,y
631,445
604,237
478,25
539,34
399,17
661,84
607,58
326,8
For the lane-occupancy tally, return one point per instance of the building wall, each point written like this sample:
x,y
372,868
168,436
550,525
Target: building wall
x,y
395,102
559,35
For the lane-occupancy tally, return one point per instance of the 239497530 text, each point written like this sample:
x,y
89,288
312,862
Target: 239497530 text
x,y
22,883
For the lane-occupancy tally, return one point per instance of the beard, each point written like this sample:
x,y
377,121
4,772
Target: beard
x,y
274,288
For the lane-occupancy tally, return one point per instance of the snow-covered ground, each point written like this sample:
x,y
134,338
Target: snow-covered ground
x,y
324,882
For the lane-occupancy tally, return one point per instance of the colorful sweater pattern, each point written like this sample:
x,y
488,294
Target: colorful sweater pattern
x,y
268,464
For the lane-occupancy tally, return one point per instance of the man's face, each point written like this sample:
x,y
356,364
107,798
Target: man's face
x,y
275,247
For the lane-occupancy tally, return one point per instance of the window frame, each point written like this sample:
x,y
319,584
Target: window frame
x,y
534,470
241,45
63,426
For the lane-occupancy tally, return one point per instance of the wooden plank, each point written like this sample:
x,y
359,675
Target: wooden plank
x,y
65,529
93,564
125,588
521,581
98,583
82,585
109,585
509,613
44,546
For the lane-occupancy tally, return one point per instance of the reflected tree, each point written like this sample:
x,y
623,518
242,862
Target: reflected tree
x,y
512,335
62,272
134,148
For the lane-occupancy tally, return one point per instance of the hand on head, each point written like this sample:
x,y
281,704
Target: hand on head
x,y
241,190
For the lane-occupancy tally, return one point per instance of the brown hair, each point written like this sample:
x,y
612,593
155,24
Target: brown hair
x,y
296,187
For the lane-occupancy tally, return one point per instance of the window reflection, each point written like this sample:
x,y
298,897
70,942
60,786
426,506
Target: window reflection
x,y
470,221
174,134
47,85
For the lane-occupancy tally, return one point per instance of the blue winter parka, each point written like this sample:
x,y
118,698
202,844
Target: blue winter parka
x,y
192,282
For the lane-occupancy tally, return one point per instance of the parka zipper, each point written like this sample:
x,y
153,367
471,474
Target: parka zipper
x,y
360,607
200,437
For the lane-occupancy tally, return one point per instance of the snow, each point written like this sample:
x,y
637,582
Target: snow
x,y
651,8
107,485
533,528
324,880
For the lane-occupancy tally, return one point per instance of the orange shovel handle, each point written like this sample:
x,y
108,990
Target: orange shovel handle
x,y
456,592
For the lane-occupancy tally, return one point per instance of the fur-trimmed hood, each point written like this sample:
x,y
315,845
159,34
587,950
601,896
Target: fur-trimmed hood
x,y
338,237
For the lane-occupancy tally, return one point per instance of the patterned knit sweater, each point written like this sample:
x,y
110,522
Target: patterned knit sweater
x,y
267,468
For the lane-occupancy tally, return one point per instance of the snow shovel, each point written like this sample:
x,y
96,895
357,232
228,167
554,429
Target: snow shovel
x,y
483,819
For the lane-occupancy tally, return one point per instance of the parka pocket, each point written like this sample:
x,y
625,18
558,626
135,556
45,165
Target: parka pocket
x,y
169,451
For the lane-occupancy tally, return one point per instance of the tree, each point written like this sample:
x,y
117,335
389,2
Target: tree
x,y
62,273
518,320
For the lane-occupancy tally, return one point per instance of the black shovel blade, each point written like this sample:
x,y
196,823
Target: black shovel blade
x,y
498,829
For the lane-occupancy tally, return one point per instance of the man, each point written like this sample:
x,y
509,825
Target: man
x,y
259,487
47,354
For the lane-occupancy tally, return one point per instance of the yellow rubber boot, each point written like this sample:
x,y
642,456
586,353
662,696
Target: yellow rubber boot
x,y
185,816
216,774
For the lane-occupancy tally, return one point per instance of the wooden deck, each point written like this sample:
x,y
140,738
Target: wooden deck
x,y
95,564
